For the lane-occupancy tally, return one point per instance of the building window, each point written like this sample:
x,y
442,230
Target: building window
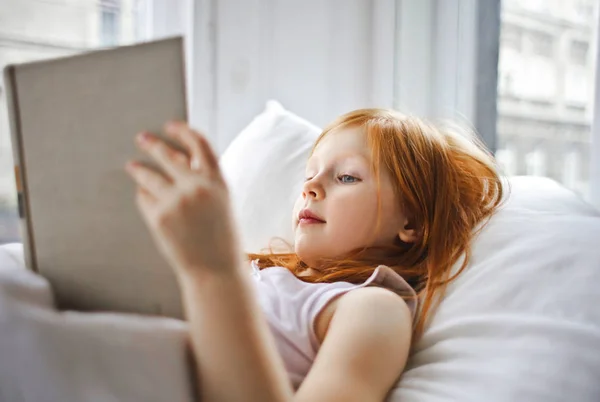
x,y
506,83
540,43
507,160
578,52
511,37
584,9
110,13
572,168
535,162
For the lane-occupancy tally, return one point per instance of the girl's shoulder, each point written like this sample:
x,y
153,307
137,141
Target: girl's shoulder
x,y
371,298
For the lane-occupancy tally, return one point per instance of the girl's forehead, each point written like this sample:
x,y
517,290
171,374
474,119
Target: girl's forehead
x,y
343,140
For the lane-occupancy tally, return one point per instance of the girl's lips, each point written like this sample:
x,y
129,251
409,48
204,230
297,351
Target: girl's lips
x,y
308,221
310,215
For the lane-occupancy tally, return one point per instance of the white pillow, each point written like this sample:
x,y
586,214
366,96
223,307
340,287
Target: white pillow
x,y
521,323
546,195
264,169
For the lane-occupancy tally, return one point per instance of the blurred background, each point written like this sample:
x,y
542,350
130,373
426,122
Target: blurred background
x,y
521,72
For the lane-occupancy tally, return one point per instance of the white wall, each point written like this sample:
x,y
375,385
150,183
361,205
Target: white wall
x,y
318,58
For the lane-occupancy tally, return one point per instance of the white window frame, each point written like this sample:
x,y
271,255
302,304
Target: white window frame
x,y
194,20
201,50
383,43
594,190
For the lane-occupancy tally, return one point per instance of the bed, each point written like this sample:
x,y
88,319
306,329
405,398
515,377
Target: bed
x,y
521,323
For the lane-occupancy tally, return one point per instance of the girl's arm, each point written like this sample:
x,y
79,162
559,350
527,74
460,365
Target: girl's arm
x,y
235,352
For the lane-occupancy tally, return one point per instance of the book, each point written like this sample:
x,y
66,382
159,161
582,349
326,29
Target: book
x,y
73,121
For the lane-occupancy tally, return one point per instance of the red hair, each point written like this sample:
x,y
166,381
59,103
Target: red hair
x,y
446,183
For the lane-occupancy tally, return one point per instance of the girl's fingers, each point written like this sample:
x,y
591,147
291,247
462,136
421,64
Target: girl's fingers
x,y
149,180
202,155
172,161
144,198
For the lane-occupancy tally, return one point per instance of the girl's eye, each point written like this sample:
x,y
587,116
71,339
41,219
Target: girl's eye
x,y
346,178
308,178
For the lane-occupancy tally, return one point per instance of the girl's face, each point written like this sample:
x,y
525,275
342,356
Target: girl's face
x,y
340,191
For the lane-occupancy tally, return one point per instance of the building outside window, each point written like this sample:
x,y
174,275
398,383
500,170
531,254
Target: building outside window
x,y
545,89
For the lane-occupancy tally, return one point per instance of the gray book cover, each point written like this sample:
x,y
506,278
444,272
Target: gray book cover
x,y
73,122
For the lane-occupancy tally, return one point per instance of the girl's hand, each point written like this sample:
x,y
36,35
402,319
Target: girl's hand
x,y
187,207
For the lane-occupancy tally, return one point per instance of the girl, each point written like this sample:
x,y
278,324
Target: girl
x,y
389,205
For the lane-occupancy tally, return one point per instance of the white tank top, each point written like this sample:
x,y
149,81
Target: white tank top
x,y
291,306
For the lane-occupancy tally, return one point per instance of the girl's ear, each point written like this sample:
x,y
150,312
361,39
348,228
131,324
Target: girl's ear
x,y
408,233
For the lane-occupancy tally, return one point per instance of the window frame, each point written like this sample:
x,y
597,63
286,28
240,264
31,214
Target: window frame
x,y
110,8
595,130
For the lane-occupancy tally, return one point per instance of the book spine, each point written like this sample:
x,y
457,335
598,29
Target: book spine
x,y
18,157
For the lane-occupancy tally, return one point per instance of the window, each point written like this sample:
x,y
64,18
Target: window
x,y
572,168
507,159
579,52
109,22
535,162
577,86
539,43
584,9
506,82
547,116
512,37
40,29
